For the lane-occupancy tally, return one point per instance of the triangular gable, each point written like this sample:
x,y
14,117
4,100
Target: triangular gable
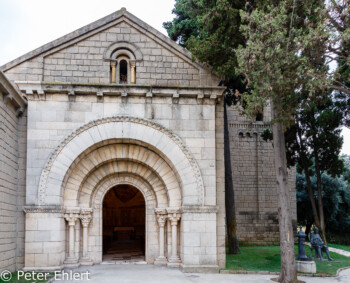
x,y
101,24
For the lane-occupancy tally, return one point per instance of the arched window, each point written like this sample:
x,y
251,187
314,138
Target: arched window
x,y
122,67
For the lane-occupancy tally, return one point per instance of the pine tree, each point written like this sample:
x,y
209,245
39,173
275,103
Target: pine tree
x,y
277,65
314,142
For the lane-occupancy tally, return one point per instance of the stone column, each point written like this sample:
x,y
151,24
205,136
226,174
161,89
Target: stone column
x,y
71,217
174,217
161,218
133,74
85,218
113,65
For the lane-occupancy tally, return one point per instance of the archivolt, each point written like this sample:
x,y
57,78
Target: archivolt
x,y
83,196
110,159
123,47
146,175
168,145
123,178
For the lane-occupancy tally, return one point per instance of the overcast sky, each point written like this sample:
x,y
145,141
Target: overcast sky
x,y
28,24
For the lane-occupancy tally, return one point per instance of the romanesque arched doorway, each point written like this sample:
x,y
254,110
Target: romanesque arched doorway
x,y
131,151
124,215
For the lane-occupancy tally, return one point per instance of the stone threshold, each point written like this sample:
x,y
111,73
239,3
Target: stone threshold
x,y
123,262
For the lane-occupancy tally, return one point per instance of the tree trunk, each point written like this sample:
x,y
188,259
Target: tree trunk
x,y
322,226
288,267
231,223
308,230
309,188
311,196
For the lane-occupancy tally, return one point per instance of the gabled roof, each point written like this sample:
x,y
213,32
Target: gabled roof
x,y
90,28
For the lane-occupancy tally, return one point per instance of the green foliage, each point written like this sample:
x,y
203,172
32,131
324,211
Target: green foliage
x,y
210,30
346,172
289,46
220,21
185,24
316,131
338,15
279,56
277,47
336,199
267,135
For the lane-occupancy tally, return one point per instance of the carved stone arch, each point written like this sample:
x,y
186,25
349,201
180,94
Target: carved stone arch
x,y
123,46
167,144
144,152
120,179
86,171
122,53
86,191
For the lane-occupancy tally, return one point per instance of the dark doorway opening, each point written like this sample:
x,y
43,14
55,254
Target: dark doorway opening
x,y
124,214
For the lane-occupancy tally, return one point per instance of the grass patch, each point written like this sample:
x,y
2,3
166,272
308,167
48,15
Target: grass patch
x,y
269,259
14,278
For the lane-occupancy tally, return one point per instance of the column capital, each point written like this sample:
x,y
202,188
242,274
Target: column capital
x,y
174,219
161,219
174,215
71,218
161,214
71,215
113,63
85,216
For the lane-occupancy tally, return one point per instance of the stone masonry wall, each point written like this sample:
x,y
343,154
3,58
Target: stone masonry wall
x,y
50,121
254,180
12,186
84,61
220,184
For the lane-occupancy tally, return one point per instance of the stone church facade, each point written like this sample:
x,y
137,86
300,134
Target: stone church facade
x,y
114,104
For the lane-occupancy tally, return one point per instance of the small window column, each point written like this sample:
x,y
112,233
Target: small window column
x,y
113,73
132,72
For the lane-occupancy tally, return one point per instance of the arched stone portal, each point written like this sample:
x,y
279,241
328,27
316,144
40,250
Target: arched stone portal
x,y
115,162
117,151
97,197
